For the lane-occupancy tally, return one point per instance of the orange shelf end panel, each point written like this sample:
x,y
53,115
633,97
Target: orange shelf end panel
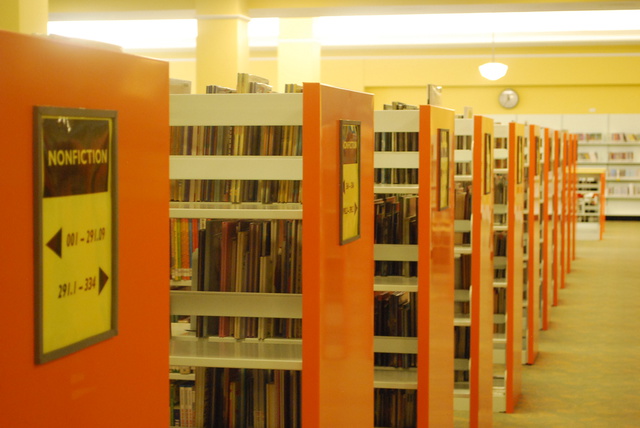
x,y
547,281
574,191
534,227
87,385
481,365
337,279
603,203
435,343
515,259
564,207
556,142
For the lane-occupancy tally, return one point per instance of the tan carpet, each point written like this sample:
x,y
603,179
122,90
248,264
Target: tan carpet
x,y
588,371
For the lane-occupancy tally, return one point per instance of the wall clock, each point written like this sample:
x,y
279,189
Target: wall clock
x,y
508,98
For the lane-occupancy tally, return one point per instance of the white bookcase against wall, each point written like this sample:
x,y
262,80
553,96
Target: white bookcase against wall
x,y
610,141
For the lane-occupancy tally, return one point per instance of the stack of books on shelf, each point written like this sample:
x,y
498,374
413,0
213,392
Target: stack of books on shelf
x,y
395,311
621,156
621,137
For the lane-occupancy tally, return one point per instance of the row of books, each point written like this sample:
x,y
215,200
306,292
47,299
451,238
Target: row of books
x,y
501,143
395,314
625,137
623,173
591,156
499,307
233,398
395,222
236,140
589,137
621,156
462,210
236,191
462,350
500,197
184,241
629,189
249,256
500,250
395,408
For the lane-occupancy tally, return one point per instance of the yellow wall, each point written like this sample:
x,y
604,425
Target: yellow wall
x,y
601,79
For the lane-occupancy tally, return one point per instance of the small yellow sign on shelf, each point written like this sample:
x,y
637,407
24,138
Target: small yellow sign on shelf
x,y
76,229
349,181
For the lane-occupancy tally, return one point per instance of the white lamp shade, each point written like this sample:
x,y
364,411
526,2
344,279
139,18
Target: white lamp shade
x,y
493,70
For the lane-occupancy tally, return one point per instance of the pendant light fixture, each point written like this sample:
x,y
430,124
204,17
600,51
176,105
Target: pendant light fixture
x,y
493,70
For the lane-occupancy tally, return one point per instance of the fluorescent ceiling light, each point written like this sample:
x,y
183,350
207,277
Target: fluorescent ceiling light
x,y
468,29
132,34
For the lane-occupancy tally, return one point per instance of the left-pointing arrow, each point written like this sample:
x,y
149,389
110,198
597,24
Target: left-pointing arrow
x,y
55,243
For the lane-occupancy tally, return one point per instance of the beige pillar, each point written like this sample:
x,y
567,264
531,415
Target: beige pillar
x,y
24,16
222,47
298,52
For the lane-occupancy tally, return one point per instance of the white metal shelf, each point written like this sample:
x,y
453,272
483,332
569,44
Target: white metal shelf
x,y
245,210
235,167
395,252
394,344
236,354
235,110
396,120
392,378
396,188
395,283
396,159
236,304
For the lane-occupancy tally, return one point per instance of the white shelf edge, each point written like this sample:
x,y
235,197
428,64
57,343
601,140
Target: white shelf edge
x,y
235,110
235,167
246,210
210,303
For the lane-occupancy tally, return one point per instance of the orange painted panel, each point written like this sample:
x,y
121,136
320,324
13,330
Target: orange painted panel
x,y
435,296
556,215
337,386
564,208
534,219
603,203
481,365
515,257
122,380
547,280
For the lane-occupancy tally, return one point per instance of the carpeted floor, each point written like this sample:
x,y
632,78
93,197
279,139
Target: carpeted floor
x,y
588,370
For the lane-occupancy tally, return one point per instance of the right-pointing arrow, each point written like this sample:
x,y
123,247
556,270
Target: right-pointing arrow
x,y
103,279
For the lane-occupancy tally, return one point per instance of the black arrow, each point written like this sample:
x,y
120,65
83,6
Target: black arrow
x,y
55,243
356,207
103,280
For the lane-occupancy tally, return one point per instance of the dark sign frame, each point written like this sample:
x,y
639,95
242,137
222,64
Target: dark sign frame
x,y
348,130
86,162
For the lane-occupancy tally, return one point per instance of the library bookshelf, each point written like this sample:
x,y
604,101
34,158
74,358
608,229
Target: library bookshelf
x,y
335,353
431,249
547,240
508,261
573,198
86,387
535,242
591,185
612,141
557,214
474,174
565,206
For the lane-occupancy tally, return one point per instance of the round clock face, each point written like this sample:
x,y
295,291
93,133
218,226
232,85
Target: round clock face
x,y
508,98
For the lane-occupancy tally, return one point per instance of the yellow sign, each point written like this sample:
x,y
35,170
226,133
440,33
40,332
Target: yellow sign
x,y
350,181
76,230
